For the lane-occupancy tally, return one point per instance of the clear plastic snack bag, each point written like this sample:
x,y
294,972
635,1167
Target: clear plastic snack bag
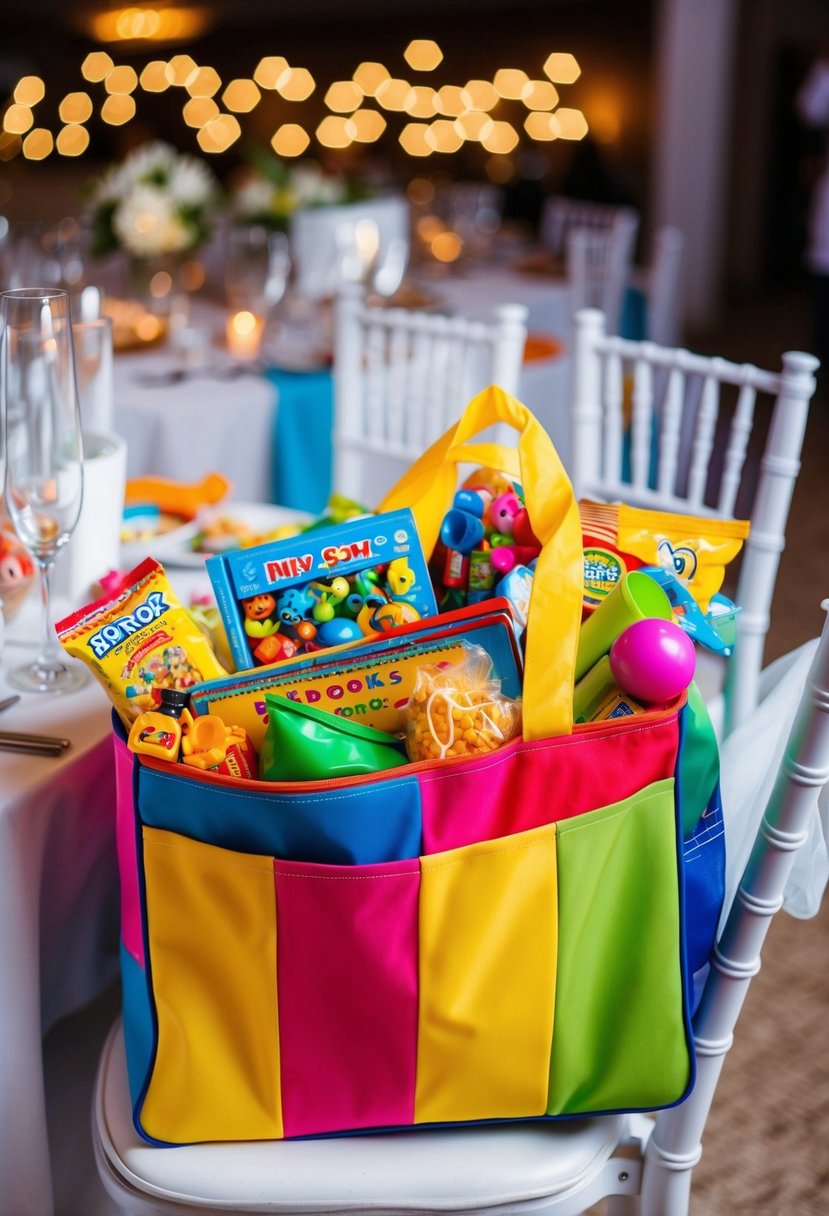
x,y
457,709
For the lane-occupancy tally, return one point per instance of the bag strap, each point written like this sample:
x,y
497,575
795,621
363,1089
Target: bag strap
x,y
556,602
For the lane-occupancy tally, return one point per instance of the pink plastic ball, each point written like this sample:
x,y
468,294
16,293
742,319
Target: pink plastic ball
x,y
653,660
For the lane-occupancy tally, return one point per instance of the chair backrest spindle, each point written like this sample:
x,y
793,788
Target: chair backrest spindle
x,y
401,378
679,409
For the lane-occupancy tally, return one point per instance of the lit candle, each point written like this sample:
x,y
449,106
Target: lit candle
x,y
244,334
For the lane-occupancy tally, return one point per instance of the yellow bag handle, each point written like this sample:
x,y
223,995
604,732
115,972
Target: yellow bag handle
x,y
556,601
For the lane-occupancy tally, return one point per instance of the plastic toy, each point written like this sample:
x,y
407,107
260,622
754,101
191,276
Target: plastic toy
x,y
178,497
17,572
463,527
157,732
634,597
261,618
502,512
303,743
205,742
653,660
715,630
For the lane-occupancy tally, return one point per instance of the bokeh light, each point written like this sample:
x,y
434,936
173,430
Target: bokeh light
x,y
72,140
118,109
541,126
509,82
29,90
219,133
344,96
562,68
332,132
474,125
482,94
241,96
290,140
38,144
369,76
571,123
447,247
413,139
423,55
393,94
205,83
17,119
199,110
443,136
181,70
153,78
269,70
501,139
296,84
365,126
121,80
539,95
96,66
75,107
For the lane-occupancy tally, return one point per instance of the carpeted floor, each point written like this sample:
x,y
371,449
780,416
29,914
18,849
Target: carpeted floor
x,y
766,1146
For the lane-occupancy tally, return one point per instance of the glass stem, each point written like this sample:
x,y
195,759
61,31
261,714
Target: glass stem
x,y
51,656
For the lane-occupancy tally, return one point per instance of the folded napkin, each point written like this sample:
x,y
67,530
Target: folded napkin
x,y
302,460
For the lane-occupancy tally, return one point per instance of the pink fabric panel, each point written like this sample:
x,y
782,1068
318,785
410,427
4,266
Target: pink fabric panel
x,y
131,933
526,785
347,959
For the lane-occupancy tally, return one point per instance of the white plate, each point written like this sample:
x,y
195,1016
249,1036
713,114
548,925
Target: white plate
x,y
175,548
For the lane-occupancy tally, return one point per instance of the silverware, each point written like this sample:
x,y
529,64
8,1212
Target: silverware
x,y
39,745
9,701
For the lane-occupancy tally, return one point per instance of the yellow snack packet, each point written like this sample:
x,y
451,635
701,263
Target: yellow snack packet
x,y
695,549
139,640
618,538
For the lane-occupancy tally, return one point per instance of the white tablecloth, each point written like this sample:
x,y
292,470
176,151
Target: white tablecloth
x,y
59,915
58,904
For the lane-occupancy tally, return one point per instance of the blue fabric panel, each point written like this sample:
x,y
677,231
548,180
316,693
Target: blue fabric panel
x,y
357,826
139,1033
704,867
302,463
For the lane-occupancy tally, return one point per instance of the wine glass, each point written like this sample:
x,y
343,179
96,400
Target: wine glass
x,y
258,264
43,453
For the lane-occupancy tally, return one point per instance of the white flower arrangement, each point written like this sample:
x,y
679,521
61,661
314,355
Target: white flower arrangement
x,y
157,201
273,190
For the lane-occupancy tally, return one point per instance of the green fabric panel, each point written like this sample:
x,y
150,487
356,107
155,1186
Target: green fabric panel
x,y
699,760
618,1032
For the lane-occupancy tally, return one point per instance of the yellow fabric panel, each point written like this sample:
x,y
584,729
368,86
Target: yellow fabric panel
x,y
212,926
488,941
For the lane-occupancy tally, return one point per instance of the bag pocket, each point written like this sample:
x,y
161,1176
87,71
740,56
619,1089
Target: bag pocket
x,y
621,1029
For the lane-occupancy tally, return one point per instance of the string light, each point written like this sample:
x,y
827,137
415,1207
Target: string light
x,y
464,110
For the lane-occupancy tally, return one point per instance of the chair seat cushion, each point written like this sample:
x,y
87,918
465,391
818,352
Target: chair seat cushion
x,y
449,1169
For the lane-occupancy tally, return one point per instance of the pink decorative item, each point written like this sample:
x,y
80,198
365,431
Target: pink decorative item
x,y
653,660
502,511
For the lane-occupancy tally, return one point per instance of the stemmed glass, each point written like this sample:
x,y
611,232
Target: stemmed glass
x,y
258,265
43,453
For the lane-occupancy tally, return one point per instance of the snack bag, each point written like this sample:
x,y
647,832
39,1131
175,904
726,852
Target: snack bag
x,y
619,538
139,640
458,710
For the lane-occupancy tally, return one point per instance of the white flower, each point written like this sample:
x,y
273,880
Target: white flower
x,y
146,223
254,197
191,182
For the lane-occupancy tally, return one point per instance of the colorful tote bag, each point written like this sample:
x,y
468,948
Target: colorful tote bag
x,y
494,938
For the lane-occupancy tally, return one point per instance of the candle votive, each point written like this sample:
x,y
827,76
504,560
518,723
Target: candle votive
x,y
244,334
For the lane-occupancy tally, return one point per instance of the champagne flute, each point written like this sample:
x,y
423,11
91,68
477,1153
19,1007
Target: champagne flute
x,y
43,454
